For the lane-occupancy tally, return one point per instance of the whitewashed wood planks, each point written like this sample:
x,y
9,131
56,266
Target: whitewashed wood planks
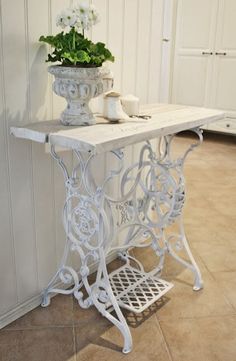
x,y
103,137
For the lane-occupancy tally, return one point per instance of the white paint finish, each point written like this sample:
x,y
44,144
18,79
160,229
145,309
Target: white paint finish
x,y
17,97
143,50
36,129
191,70
44,215
206,79
58,105
7,280
226,25
33,182
100,33
115,39
40,89
87,84
115,42
155,49
59,194
225,84
130,46
167,48
13,44
154,75
227,126
101,137
40,108
198,15
23,218
224,78
190,44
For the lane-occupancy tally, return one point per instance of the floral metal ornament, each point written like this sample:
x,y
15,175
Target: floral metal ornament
x,y
151,199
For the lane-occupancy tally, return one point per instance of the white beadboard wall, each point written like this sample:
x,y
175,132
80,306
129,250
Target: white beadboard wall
x,y
31,186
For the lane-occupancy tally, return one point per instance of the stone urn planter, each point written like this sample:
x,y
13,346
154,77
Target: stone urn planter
x,y
78,86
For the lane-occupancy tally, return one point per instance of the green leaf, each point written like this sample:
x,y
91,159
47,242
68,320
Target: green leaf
x,y
76,57
73,48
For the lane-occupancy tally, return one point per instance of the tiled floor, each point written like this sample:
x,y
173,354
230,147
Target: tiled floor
x,y
185,325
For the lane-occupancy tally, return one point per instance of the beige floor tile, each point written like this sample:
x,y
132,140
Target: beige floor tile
x,y
206,339
82,315
186,303
106,345
227,284
211,232
217,257
174,268
202,215
147,257
223,201
88,332
58,313
231,237
52,344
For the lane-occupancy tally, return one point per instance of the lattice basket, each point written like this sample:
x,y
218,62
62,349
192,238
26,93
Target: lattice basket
x,y
136,290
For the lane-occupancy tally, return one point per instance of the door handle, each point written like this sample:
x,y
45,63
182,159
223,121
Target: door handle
x,y
221,53
207,53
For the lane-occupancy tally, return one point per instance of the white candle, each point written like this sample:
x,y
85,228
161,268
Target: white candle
x,y
130,104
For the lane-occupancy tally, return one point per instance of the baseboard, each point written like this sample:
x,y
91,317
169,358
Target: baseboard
x,y
23,308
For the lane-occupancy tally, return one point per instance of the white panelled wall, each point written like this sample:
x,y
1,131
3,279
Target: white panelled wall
x,y
31,186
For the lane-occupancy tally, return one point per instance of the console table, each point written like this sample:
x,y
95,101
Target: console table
x,y
151,199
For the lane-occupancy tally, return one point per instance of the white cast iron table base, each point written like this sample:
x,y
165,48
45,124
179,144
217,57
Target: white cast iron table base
x,y
152,196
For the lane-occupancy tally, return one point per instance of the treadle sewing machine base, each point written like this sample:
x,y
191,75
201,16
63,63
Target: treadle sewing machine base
x,y
150,200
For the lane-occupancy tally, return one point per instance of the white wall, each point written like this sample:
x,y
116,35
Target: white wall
x,y
31,186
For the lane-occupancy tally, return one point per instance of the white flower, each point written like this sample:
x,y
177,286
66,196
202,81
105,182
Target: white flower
x,y
93,15
83,8
81,16
78,24
60,21
67,18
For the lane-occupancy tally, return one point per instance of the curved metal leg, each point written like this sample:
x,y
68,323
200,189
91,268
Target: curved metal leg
x,y
180,242
65,274
198,282
108,297
170,195
88,228
100,295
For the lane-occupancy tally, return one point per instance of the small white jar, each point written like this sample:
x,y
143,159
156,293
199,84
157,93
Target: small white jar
x,y
112,109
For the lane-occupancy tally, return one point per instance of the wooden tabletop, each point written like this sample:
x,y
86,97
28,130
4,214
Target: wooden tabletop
x,y
104,136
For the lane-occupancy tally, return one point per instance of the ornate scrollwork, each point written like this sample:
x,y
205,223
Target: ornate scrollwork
x,y
125,213
152,196
84,219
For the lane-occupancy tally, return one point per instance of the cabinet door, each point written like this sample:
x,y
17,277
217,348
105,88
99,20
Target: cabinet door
x,y
195,38
224,70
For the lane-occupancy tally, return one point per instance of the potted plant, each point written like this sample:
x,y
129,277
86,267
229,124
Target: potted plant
x,y
79,74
